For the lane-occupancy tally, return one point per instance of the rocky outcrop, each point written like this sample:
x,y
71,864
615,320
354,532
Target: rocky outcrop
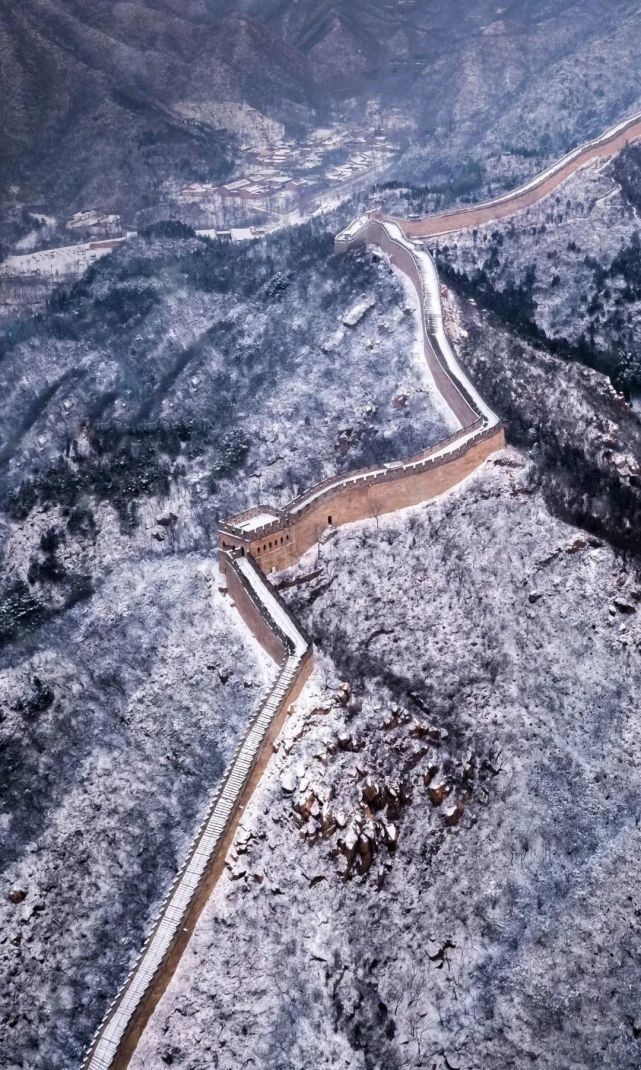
x,y
353,797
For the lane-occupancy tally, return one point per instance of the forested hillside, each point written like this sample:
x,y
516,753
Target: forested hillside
x,y
97,101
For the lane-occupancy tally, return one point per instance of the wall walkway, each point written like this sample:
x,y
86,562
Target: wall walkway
x,y
370,492
270,620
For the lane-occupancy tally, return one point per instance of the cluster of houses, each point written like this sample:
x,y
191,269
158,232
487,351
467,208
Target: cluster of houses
x,y
287,177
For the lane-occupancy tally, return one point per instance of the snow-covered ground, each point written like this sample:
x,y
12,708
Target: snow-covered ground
x,y
256,521
437,620
585,223
118,721
492,649
123,708
52,263
73,260
302,395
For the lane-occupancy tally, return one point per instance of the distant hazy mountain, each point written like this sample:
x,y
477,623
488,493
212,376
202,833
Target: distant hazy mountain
x,y
100,98
88,91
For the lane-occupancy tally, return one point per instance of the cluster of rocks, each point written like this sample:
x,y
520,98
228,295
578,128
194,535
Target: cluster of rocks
x,y
367,828
348,437
360,834
439,790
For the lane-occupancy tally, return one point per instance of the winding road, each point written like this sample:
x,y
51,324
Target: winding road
x,y
266,538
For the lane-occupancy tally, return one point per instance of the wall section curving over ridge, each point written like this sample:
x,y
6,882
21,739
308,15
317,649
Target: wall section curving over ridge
x,y
542,185
265,538
371,492
270,620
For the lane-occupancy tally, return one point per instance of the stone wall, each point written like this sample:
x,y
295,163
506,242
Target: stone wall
x,y
278,544
376,233
611,142
366,498
118,1034
373,492
252,613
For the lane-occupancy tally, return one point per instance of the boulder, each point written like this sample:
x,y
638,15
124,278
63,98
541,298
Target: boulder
x,y
288,782
438,790
373,793
17,895
576,545
369,830
167,521
344,693
320,710
430,772
340,817
356,313
322,792
305,802
365,853
405,792
436,735
469,767
390,834
242,840
397,716
437,951
349,844
328,821
452,812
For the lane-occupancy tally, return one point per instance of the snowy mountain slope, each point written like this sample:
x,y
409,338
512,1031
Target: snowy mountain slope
x,y
178,381
574,259
462,627
117,722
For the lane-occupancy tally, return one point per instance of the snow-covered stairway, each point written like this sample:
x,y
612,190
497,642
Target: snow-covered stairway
x,y
114,1040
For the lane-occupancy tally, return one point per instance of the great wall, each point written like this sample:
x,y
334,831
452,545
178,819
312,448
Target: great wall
x,y
265,539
